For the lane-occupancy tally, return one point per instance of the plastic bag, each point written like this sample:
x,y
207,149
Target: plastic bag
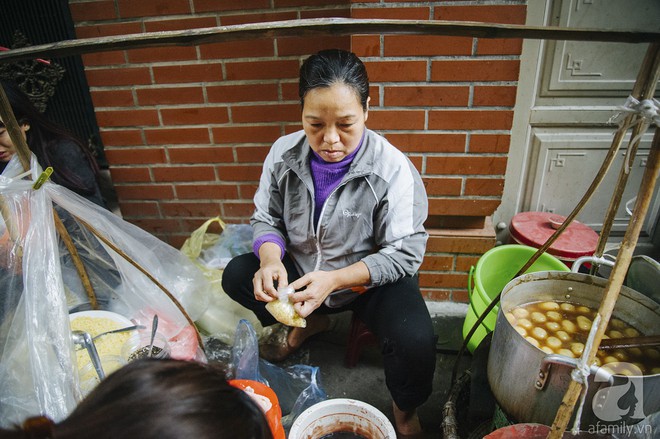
x,y
223,313
297,387
40,287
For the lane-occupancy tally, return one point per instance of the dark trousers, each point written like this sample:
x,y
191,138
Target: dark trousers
x,y
396,313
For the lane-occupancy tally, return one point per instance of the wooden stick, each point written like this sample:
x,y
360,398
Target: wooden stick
x,y
615,281
321,26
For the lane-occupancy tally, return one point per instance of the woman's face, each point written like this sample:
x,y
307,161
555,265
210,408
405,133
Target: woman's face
x,y
7,148
333,120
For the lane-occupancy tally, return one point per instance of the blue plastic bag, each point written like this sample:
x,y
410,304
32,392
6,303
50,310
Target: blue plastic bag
x,y
297,387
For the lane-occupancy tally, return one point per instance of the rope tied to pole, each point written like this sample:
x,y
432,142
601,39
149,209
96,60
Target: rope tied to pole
x,y
647,112
582,371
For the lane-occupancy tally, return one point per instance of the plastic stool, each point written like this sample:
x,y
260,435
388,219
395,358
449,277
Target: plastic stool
x,y
359,336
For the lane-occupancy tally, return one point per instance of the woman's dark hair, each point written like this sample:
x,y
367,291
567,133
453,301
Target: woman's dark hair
x,y
332,66
165,399
43,136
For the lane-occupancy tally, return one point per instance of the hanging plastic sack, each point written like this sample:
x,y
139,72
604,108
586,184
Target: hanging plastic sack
x,y
223,313
131,273
297,387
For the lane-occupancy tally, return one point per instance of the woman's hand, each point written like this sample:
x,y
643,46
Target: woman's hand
x,y
272,270
317,286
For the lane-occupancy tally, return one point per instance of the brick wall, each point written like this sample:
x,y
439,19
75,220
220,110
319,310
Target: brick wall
x,y
186,129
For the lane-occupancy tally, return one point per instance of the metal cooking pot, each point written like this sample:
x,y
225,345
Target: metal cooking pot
x,y
529,384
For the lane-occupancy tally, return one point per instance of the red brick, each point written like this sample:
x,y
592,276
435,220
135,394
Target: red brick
x,y
206,72
265,113
289,91
475,70
180,24
374,94
396,119
496,143
156,226
460,296
336,12
484,186
427,96
177,136
437,186
494,96
194,116
247,191
132,156
307,45
424,45
152,8
183,173
417,161
237,210
239,173
499,46
246,134
262,70
303,3
392,71
505,14
162,54
242,93
463,263
144,192
206,191
442,280
365,45
427,142
218,6
470,165
126,118
112,98
170,95
118,76
463,207
437,263
251,154
470,120
201,155
231,20
112,58
460,244
92,11
187,210
121,137
390,12
130,175
106,30
139,209
232,49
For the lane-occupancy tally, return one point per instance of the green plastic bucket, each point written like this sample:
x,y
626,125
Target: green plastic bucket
x,y
493,271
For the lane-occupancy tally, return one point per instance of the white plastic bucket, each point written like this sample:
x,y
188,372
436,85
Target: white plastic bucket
x,y
342,415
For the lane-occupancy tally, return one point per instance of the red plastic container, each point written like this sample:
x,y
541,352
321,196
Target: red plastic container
x,y
534,228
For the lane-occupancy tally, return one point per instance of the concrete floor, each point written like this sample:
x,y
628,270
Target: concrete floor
x,y
366,381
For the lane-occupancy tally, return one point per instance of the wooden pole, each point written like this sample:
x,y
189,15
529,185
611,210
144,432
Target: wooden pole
x,y
321,26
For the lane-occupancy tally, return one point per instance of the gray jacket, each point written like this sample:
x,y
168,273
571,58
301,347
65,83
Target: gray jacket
x,y
375,215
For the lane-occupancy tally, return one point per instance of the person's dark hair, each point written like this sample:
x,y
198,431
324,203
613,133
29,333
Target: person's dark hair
x,y
163,399
44,135
332,66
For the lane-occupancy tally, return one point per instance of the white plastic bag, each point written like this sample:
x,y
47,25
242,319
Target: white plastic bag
x,y
40,287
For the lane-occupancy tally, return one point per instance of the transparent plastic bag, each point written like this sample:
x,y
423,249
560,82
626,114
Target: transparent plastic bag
x,y
223,313
40,287
297,387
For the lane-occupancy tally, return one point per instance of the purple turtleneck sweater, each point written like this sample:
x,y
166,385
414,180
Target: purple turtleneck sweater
x,y
326,177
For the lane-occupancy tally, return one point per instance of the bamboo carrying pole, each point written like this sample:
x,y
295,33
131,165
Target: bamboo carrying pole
x,y
624,256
